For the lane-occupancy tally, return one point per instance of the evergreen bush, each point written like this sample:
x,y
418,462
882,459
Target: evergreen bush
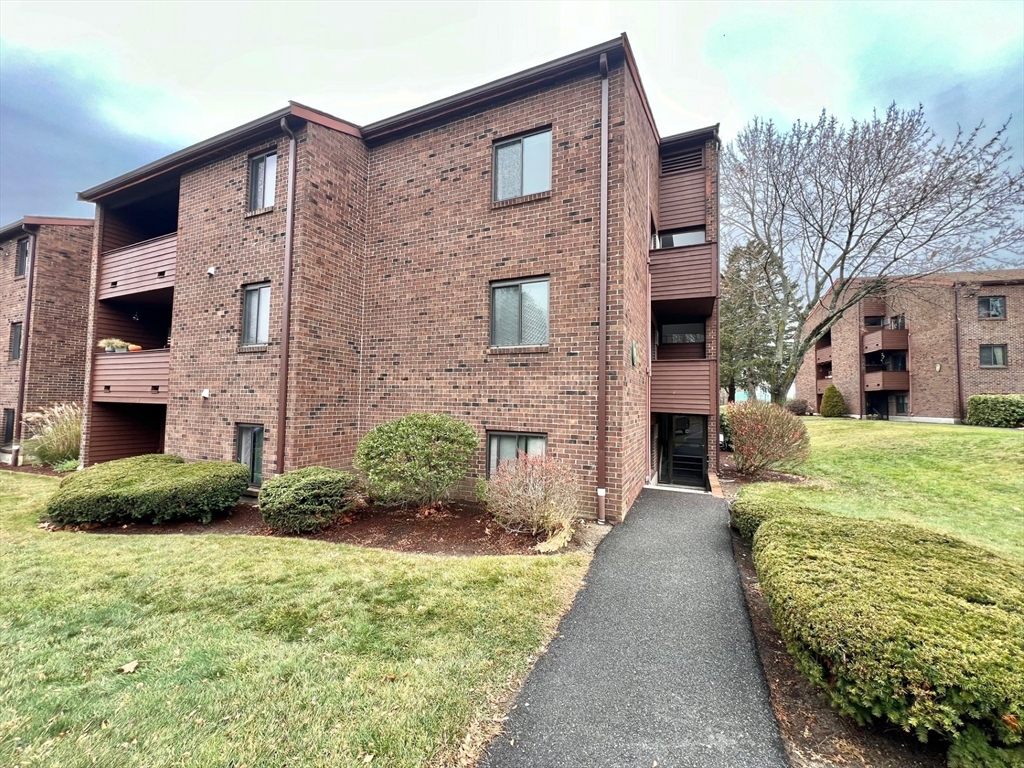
x,y
833,405
749,513
306,500
995,410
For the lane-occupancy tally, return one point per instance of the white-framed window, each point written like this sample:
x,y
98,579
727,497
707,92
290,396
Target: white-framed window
x,y
507,446
21,258
522,166
256,314
15,350
249,451
992,307
262,180
680,237
993,355
520,312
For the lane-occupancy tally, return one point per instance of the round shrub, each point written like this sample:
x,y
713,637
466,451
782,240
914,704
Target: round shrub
x,y
306,500
797,406
899,624
534,494
749,513
153,488
833,406
417,459
766,436
995,410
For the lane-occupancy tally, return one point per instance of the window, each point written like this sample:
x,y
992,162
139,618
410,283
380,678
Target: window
x,y
682,333
522,166
993,355
15,341
505,446
250,451
262,178
8,426
682,237
519,313
874,322
897,362
902,405
992,307
256,314
898,322
21,259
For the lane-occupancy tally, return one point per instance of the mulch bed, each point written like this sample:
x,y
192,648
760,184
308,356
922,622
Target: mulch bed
x,y
460,529
732,480
814,734
33,469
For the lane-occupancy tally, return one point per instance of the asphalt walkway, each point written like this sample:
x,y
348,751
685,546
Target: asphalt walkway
x,y
655,665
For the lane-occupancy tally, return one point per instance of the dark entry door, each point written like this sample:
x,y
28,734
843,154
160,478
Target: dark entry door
x,y
684,452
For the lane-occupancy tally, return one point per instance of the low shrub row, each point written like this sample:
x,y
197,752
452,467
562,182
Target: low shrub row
x,y
154,488
306,500
749,513
995,410
899,624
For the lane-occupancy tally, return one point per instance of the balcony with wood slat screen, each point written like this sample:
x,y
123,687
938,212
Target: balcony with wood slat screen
x,y
131,377
137,268
681,386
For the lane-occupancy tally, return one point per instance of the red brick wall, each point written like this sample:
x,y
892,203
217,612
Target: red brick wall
x,y
975,331
931,358
13,292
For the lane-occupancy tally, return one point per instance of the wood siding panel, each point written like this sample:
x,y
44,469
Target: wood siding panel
x,y
873,306
823,355
681,352
682,386
822,385
683,273
879,381
682,200
117,432
130,377
141,267
885,339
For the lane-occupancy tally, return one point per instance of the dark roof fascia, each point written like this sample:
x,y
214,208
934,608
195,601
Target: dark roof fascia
x,y
501,88
18,227
691,137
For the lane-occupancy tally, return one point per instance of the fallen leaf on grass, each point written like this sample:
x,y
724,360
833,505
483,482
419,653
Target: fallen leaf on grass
x,y
130,667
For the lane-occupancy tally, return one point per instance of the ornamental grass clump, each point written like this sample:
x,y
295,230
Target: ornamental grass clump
x,y
56,433
766,436
153,488
306,500
899,625
534,495
417,459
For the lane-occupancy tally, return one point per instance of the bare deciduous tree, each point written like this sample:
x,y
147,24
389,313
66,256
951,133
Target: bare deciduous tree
x,y
837,212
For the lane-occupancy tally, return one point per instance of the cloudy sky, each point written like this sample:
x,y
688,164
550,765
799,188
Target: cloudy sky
x,y
91,90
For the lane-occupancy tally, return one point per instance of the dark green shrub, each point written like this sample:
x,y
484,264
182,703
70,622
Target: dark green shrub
x,y
832,403
899,624
973,750
797,406
417,459
306,500
995,410
749,513
154,488
725,430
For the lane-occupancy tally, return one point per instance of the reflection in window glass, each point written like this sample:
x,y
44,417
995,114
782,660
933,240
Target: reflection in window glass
x,y
519,313
522,166
682,237
682,333
993,355
537,163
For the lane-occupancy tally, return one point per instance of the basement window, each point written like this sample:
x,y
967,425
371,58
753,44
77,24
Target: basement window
x,y
262,180
249,452
508,446
993,355
522,166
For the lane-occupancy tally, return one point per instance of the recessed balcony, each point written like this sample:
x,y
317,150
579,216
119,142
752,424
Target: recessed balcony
x,y
138,268
885,339
683,273
683,386
887,381
823,355
131,377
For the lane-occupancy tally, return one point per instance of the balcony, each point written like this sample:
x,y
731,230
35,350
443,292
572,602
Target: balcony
x,y
822,385
683,386
823,355
887,381
873,306
683,273
131,377
885,339
145,266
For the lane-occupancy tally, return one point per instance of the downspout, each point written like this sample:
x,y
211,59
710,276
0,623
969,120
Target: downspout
x,y
602,326
26,329
956,341
286,313
650,340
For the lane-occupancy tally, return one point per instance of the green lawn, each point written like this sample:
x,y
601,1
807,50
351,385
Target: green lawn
x,y
967,481
255,651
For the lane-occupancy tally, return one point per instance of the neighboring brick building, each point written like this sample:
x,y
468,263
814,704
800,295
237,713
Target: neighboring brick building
x,y
447,259
44,303
918,352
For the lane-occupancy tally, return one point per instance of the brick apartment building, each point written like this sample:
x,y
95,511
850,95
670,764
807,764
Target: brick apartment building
x,y
44,304
529,256
918,352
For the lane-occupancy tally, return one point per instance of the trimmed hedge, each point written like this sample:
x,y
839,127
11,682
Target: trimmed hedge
x,y
833,406
749,514
995,410
973,750
417,459
306,500
899,624
153,488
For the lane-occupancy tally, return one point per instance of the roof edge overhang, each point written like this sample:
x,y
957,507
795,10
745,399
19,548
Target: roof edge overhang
x,y
690,137
18,227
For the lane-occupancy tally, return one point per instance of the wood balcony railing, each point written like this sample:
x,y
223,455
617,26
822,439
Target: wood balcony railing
x,y
683,386
884,340
823,355
822,385
883,381
131,377
145,266
687,272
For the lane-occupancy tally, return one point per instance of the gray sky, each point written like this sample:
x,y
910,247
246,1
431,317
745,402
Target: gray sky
x,y
91,90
